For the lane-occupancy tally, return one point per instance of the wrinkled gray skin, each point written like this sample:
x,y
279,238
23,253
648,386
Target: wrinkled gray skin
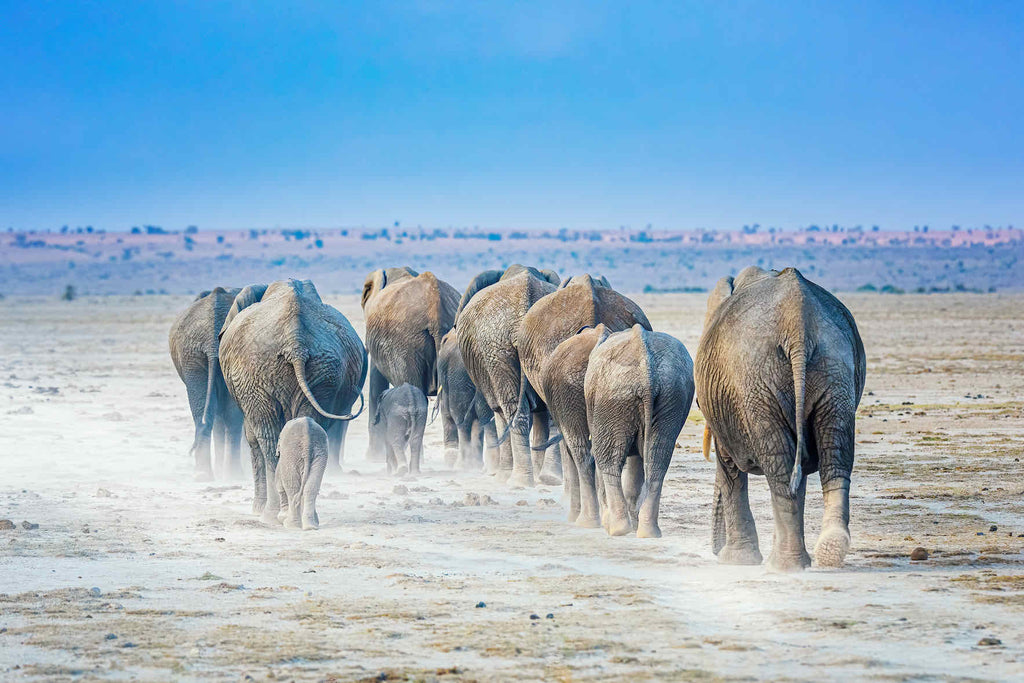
x,y
195,351
638,389
286,356
467,408
402,417
486,329
407,314
780,372
581,301
301,461
561,381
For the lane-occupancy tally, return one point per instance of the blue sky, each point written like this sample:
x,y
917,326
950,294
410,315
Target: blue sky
x,y
532,114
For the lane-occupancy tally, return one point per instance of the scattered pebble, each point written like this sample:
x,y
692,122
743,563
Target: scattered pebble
x,y
400,490
547,503
110,636
6,525
104,493
487,500
29,525
521,503
481,604
128,643
919,554
96,591
113,417
993,528
549,616
24,410
472,499
436,501
989,641
534,617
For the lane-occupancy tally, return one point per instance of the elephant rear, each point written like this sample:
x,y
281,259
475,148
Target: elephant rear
x,y
302,460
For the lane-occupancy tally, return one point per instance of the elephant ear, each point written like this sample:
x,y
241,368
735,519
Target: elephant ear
x,y
551,276
604,281
375,282
565,282
247,296
484,279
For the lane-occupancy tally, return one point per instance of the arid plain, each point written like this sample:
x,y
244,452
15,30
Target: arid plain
x,y
137,572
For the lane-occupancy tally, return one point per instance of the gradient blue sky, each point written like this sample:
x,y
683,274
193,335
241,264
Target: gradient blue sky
x,y
532,114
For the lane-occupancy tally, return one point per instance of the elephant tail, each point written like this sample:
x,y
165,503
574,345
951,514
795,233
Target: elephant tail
x,y
550,442
434,325
437,405
206,423
798,363
519,408
299,365
706,446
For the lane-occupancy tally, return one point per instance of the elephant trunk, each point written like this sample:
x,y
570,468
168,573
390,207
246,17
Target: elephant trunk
x,y
798,362
299,364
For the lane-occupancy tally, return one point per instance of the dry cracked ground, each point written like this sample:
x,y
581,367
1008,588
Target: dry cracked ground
x,y
135,572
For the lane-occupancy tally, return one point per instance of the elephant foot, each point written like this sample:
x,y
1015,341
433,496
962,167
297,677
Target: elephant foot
x,y
619,526
203,476
524,479
550,478
270,517
401,471
832,546
787,562
451,456
291,522
310,525
257,506
585,521
503,475
648,531
739,554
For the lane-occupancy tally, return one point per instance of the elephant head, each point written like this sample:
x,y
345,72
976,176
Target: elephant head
x,y
380,278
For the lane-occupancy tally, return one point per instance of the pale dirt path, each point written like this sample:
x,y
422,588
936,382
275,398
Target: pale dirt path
x,y
200,590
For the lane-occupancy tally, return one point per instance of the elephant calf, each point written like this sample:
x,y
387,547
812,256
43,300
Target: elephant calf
x,y
302,459
402,413
638,389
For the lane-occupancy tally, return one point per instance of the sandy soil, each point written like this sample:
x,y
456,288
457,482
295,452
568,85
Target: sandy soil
x,y
137,572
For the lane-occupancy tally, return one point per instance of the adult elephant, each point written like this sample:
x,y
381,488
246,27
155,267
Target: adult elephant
x,y
487,331
407,313
289,355
459,401
579,302
779,374
195,351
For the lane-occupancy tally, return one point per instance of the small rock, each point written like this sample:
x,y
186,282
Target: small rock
x,y
96,592
128,643
980,533
487,500
472,499
549,616
534,617
993,528
521,503
113,417
436,501
219,539
29,525
400,490
6,525
104,493
481,604
989,641
547,503
24,410
919,554
110,636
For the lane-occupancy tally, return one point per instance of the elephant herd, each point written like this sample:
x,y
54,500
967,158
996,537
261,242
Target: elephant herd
x,y
538,379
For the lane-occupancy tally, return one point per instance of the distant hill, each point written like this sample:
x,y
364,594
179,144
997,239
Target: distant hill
x,y
153,260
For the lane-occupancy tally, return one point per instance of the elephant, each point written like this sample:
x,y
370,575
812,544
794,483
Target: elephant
x,y
638,389
407,313
301,461
402,416
459,400
195,349
489,277
780,371
561,381
579,302
289,355
486,329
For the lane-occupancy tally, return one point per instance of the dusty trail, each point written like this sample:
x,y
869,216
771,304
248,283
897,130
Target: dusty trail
x,y
193,587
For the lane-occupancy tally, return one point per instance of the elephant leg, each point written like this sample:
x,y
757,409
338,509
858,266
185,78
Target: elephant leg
x,y
292,504
452,434
579,453
197,402
233,431
272,510
522,455
632,486
220,447
259,470
735,535
610,457
310,490
416,447
505,459
788,551
655,468
834,441
492,453
474,457
549,465
377,449
465,453
572,487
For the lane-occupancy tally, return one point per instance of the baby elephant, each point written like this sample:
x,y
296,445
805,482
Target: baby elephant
x,y
403,410
302,459
638,389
